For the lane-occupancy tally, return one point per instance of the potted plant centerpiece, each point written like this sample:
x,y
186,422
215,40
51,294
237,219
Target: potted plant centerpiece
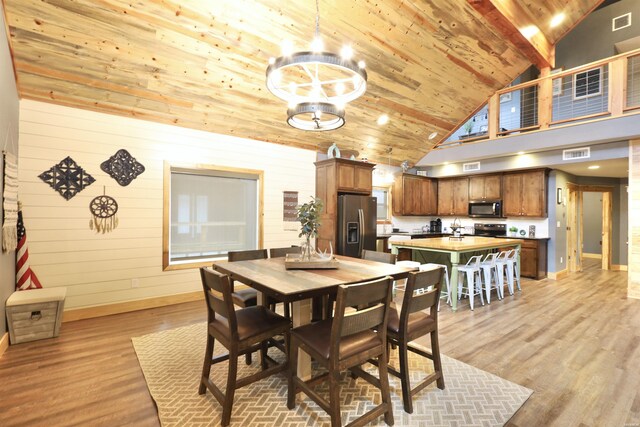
x,y
309,217
513,230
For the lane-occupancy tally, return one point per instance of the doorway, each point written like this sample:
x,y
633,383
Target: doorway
x,y
580,228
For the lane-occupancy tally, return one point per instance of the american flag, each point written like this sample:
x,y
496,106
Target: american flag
x,y
25,277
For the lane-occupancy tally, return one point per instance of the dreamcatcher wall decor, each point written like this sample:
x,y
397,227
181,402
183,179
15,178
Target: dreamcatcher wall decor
x,y
122,167
103,213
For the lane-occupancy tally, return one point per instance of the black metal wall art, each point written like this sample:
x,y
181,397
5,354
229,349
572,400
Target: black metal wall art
x,y
67,178
122,167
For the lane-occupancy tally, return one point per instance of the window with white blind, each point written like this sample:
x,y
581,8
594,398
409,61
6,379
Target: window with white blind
x,y
210,211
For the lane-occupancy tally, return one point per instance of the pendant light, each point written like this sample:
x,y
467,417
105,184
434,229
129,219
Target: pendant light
x,y
316,84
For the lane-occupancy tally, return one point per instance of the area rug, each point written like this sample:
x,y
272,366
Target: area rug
x,y
171,361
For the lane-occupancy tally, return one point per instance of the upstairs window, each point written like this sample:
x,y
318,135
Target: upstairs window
x,y
208,212
587,83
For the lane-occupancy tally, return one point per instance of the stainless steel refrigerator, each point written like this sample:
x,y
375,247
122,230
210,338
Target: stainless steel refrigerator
x,y
356,225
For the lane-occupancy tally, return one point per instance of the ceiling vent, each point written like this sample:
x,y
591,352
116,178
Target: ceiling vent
x,y
576,153
471,167
621,22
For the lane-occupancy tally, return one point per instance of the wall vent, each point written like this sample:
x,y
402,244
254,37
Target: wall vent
x,y
621,22
576,153
470,167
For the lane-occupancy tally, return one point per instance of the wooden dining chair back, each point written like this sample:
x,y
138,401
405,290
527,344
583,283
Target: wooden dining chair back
x,y
281,252
422,293
347,341
247,255
385,257
247,297
240,332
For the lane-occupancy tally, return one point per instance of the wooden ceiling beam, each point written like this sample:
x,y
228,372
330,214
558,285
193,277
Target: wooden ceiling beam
x,y
509,18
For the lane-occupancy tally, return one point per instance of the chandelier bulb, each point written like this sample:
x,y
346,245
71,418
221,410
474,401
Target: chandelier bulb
x,y
361,64
346,52
287,47
276,76
272,60
317,45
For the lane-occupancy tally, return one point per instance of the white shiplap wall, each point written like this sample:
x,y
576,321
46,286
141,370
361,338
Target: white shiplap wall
x,y
97,268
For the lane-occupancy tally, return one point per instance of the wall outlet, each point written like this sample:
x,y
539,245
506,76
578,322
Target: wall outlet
x,y
561,260
558,224
135,283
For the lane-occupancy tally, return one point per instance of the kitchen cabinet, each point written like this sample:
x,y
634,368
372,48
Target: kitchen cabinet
x,y
453,196
354,177
335,177
414,195
485,187
525,194
533,259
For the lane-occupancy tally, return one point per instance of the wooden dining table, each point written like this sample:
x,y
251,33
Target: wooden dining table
x,y
271,278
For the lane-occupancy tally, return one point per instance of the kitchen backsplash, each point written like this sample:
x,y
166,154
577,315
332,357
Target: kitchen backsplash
x,y
409,223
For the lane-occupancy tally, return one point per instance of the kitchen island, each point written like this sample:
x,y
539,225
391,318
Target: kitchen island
x,y
454,248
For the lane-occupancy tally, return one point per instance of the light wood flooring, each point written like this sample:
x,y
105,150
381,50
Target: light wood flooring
x,y
575,342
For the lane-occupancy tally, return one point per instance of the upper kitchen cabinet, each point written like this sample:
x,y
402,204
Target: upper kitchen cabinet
x,y
453,196
485,187
354,176
414,195
525,194
344,176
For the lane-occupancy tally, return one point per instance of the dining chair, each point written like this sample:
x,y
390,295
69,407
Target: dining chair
x,y
247,297
240,332
431,266
471,271
385,257
413,323
346,341
281,252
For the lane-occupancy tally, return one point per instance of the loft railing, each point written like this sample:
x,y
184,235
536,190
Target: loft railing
x,y
605,88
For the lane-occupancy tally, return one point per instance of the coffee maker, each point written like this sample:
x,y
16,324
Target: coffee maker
x,y
436,226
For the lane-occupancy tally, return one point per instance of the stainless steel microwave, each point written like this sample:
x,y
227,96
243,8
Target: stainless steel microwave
x,y
485,208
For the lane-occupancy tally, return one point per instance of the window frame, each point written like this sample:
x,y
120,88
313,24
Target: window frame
x,y
201,169
388,189
588,95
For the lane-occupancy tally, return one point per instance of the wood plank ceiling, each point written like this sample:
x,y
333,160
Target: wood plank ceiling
x,y
201,64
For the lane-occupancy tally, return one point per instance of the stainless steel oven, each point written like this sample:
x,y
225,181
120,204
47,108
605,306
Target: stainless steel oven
x,y
485,209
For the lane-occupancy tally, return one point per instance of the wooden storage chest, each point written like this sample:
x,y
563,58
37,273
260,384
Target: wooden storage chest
x,y
35,314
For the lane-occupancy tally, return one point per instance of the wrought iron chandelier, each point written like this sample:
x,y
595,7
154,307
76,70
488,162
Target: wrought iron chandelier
x,y
316,84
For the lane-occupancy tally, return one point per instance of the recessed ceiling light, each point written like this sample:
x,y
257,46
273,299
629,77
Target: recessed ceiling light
x,y
433,135
530,31
383,119
520,153
557,19
594,167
